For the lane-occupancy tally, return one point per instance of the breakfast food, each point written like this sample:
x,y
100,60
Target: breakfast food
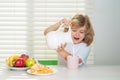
x,y
41,69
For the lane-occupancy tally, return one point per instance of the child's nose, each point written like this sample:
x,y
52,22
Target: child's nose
x,y
77,33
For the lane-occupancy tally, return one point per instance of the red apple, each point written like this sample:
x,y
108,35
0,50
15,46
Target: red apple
x,y
24,56
19,62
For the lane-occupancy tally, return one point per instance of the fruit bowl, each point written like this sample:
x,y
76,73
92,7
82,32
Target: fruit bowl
x,y
19,62
18,68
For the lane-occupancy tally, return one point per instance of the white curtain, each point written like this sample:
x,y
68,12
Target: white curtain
x,y
22,23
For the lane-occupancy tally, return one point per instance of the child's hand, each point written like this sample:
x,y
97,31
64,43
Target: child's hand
x,y
66,22
62,51
61,48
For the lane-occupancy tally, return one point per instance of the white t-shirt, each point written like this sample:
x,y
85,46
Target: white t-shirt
x,y
80,50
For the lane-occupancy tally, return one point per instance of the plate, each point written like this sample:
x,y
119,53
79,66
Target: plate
x,y
18,68
28,71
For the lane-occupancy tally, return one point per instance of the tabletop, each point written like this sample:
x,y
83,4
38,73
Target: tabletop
x,y
90,72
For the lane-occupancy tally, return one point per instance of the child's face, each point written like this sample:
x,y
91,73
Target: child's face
x,y
78,34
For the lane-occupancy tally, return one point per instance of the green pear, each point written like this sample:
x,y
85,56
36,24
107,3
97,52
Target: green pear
x,y
29,62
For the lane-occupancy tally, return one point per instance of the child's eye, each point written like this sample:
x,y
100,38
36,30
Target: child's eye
x,y
82,32
74,30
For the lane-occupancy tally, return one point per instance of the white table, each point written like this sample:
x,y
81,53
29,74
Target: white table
x,y
83,73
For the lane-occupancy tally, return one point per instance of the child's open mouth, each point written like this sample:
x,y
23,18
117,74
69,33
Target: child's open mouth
x,y
76,38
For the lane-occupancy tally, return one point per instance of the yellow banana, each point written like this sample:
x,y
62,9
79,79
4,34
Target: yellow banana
x,y
7,61
10,61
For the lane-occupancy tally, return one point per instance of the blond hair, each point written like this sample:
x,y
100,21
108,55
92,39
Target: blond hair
x,y
82,20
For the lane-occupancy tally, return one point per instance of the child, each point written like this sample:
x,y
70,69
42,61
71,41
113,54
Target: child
x,y
82,36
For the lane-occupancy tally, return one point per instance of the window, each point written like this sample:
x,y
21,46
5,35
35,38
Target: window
x,y
22,23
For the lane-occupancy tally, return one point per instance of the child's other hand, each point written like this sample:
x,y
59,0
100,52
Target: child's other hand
x,y
61,48
66,22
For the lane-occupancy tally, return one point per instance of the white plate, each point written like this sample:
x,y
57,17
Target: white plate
x,y
28,71
18,68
